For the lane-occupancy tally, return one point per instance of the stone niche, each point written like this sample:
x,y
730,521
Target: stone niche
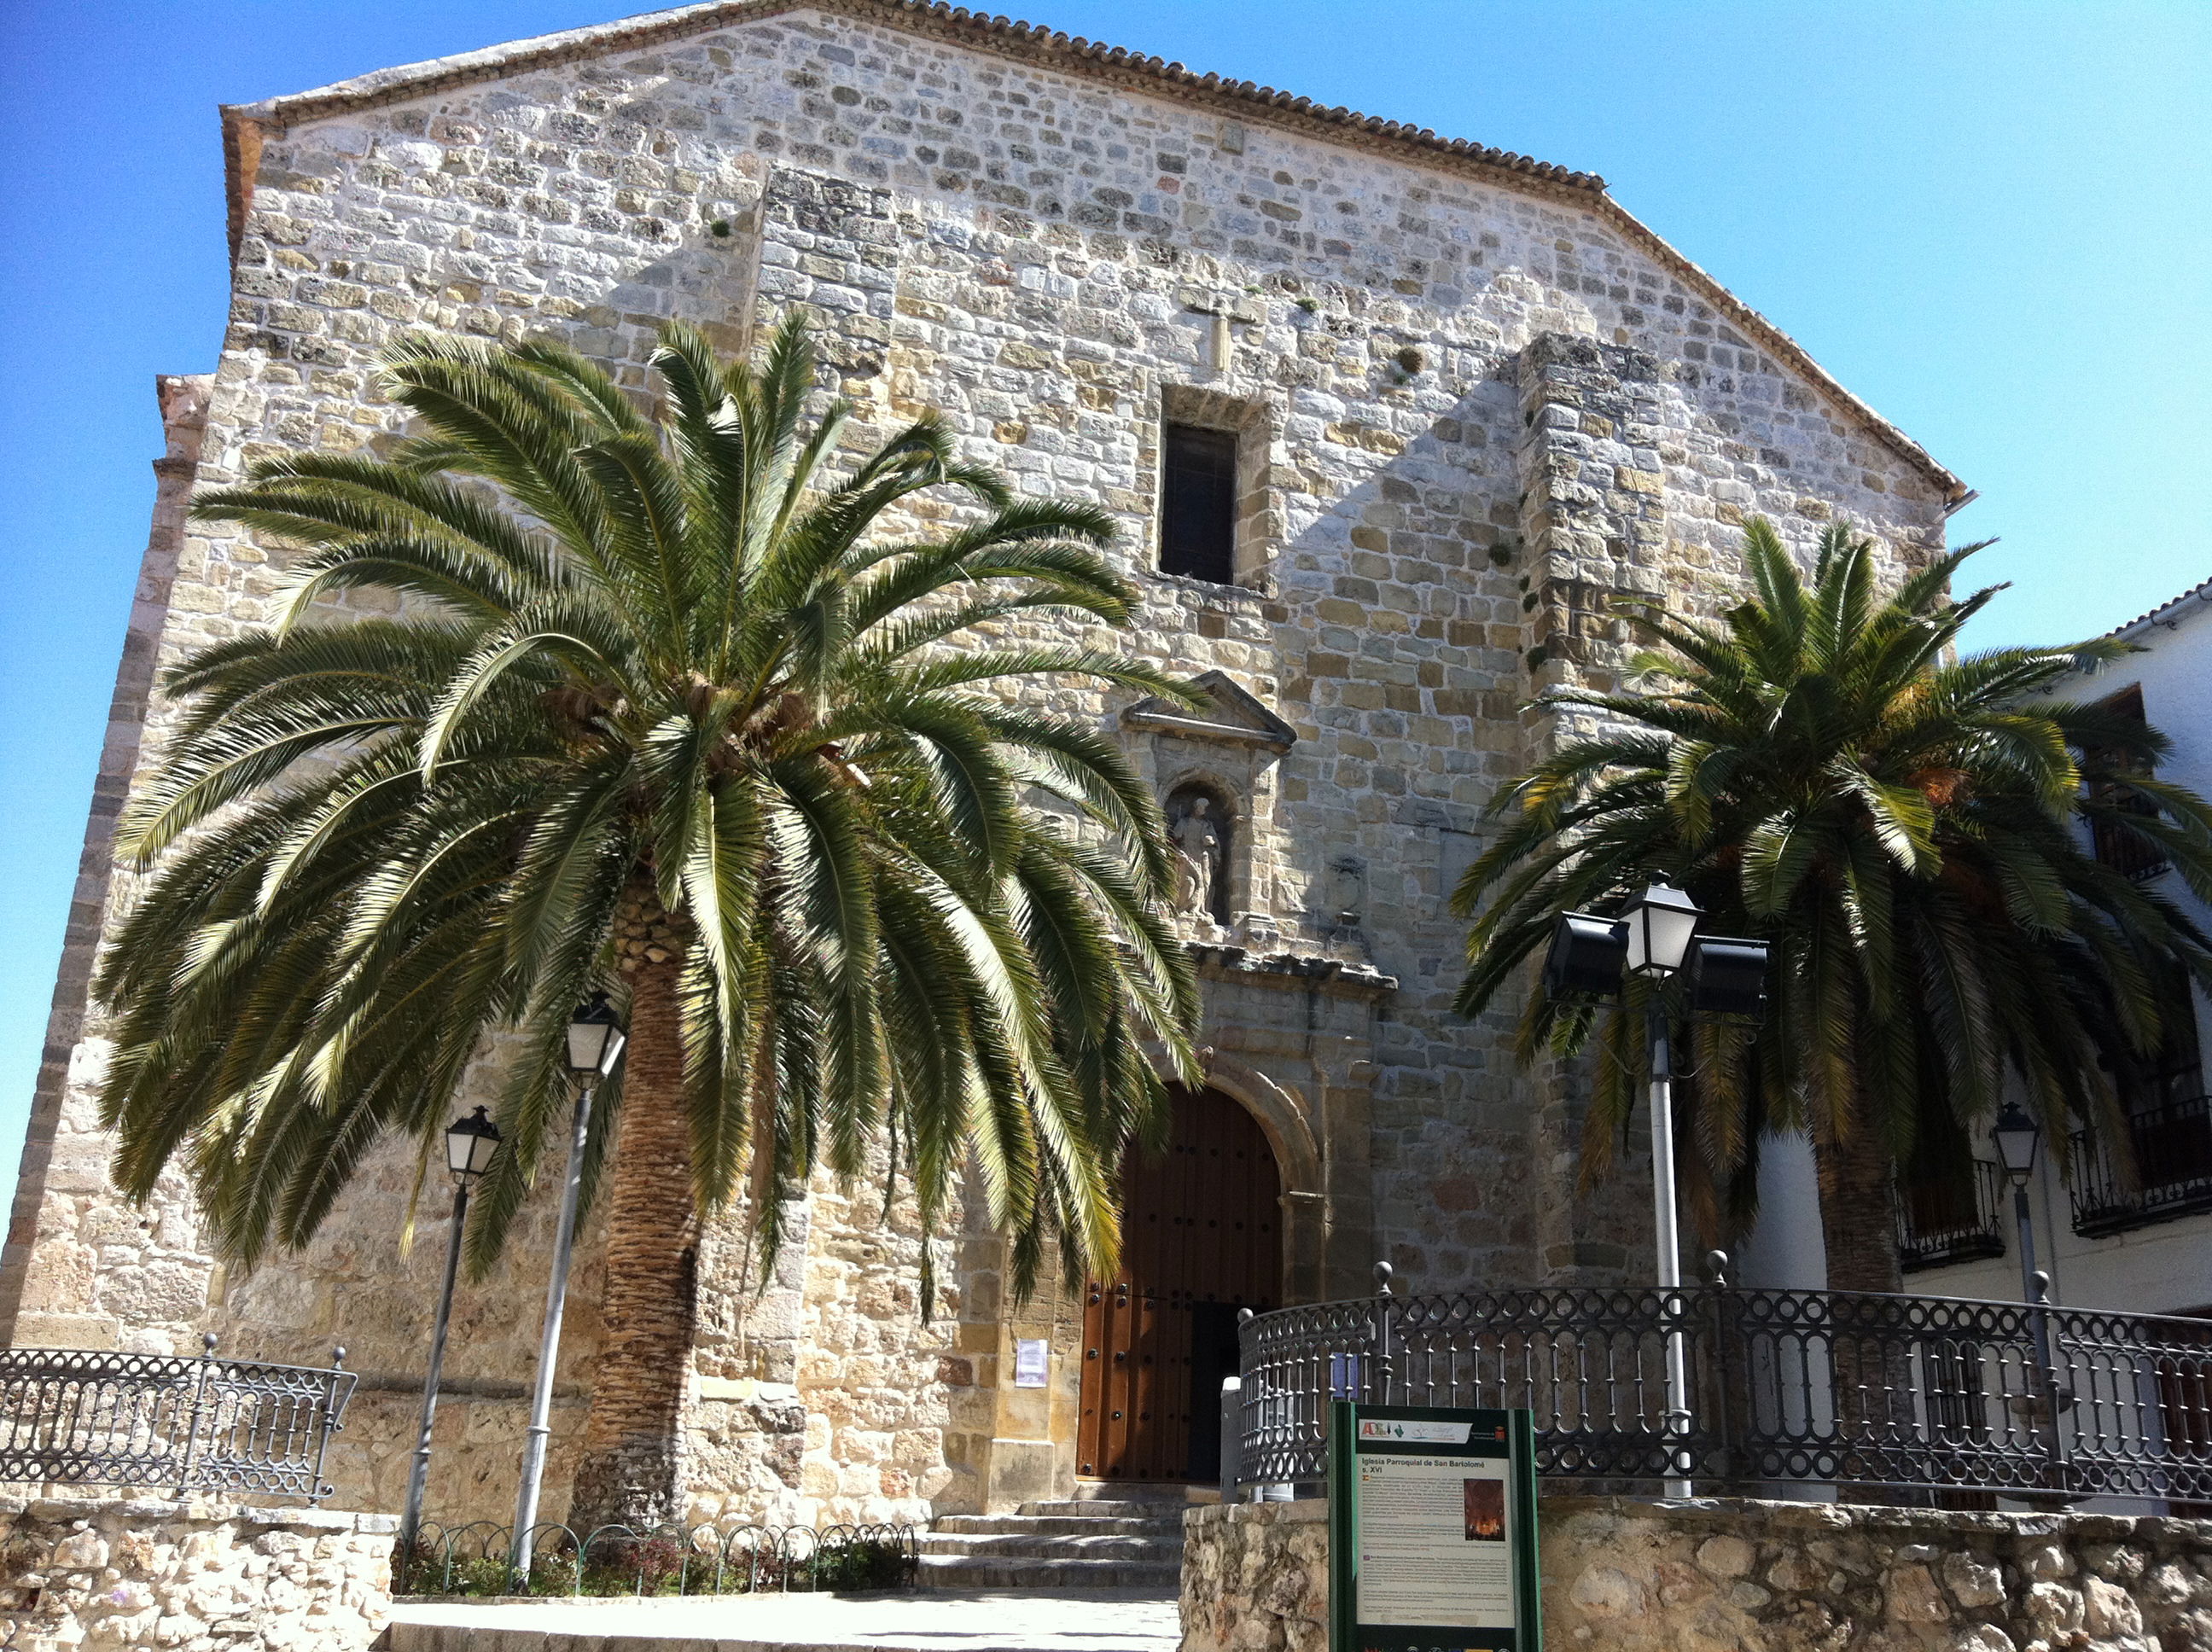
x,y
1218,758
1715,1576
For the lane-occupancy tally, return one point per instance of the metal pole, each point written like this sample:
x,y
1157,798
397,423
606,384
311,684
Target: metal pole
x,y
418,1477
1383,1363
193,1423
2035,1291
323,1489
549,1344
1670,1261
2032,1288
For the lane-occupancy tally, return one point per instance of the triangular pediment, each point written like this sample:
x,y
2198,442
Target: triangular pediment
x,y
1227,713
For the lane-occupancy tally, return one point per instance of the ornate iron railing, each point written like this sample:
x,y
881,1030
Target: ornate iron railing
x,y
1841,1389
2173,1150
2128,853
77,1417
476,1559
1950,1219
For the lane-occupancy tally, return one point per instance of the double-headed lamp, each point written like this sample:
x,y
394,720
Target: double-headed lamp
x,y
1661,922
471,1144
595,1038
2017,1136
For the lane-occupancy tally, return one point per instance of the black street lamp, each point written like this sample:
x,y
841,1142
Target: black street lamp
x,y
595,1040
2018,1136
471,1144
1656,928
1656,938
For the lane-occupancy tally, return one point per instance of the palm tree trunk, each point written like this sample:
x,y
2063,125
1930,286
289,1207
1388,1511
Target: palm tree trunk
x,y
1858,1212
1874,1418
633,1469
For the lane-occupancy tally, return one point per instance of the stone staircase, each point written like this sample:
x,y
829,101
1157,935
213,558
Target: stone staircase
x,y
1107,1536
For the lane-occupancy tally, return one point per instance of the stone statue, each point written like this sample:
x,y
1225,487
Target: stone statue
x,y
1198,860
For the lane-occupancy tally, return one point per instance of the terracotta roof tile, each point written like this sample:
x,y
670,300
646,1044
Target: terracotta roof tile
x,y
2201,592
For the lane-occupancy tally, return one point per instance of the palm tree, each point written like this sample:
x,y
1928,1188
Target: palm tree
x,y
1905,826
691,707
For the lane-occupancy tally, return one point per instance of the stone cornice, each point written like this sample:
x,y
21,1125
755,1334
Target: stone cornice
x,y
1221,961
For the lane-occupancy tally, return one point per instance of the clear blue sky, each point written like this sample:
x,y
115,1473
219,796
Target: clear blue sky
x,y
1993,222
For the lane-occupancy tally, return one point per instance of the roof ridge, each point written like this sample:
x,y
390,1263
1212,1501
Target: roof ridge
x,y
405,81
2202,591
244,124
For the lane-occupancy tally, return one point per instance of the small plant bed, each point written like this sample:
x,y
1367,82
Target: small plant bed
x,y
475,1562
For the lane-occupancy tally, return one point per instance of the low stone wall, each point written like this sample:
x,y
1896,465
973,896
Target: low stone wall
x,y
79,1574
1773,1577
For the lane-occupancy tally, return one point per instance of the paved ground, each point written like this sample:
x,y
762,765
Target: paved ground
x,y
1062,1620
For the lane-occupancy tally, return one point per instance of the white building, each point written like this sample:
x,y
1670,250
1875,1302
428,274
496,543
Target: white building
x,y
2109,1241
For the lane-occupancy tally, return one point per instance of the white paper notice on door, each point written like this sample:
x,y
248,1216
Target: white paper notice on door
x,y
1435,1547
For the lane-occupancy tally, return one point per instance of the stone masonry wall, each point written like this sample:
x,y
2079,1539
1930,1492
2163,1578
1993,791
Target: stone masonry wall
x,y
106,1277
80,1575
1468,406
1771,1576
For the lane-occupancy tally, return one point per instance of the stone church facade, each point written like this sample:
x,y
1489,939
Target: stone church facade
x,y
1454,400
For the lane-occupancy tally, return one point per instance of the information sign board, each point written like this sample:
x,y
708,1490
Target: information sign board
x,y
1432,1530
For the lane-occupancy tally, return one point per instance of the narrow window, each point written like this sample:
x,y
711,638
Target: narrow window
x,y
2124,851
1198,503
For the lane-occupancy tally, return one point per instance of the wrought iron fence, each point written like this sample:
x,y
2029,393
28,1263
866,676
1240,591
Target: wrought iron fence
x,y
476,1559
1953,1218
2172,1149
1852,1390
78,1417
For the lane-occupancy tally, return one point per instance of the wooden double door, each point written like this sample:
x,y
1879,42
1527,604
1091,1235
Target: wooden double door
x,y
1201,1238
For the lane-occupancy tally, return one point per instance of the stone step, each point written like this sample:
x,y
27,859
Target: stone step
x,y
1051,1619
1154,1551
1063,1524
1106,1536
940,1572
1105,1508
1145,1492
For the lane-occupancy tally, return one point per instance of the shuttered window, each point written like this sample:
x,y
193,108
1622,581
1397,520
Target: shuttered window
x,y
2124,851
1198,503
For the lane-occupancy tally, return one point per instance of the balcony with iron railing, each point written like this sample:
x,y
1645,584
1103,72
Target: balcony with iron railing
x,y
1952,1217
2172,1146
2115,844
1843,1392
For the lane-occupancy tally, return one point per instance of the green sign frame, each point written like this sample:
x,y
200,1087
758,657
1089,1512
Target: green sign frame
x,y
1445,1502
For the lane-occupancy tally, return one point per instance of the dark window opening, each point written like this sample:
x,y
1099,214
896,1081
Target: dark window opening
x,y
2126,851
2166,1123
2175,1073
1198,503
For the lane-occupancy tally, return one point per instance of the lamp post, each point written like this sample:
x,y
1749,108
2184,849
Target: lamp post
x,y
1660,922
471,1144
1656,938
2018,1136
595,1043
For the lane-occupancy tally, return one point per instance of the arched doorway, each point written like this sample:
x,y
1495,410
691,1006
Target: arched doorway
x,y
1201,1231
